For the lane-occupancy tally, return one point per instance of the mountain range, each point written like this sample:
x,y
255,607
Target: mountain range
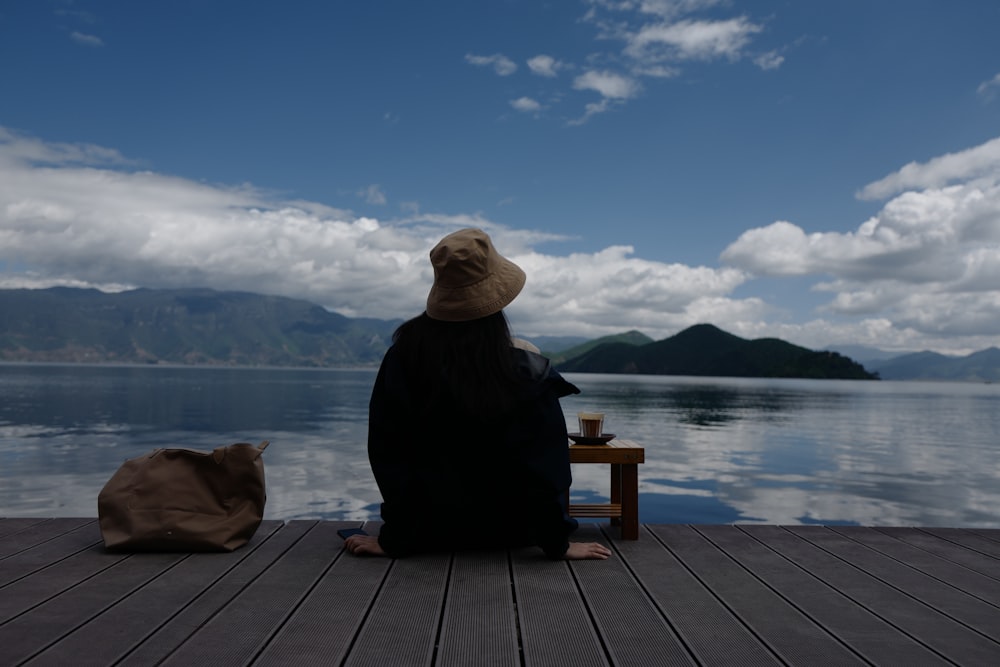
x,y
184,326
203,326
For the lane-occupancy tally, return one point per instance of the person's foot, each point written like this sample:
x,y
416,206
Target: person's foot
x,y
363,544
587,551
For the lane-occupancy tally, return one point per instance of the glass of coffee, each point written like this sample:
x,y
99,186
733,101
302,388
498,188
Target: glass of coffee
x,y
591,424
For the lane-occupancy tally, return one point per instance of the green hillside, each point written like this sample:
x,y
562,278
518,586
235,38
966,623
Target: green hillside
x,y
628,338
707,350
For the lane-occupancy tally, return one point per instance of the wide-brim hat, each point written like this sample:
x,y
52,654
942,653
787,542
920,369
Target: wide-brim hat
x,y
471,279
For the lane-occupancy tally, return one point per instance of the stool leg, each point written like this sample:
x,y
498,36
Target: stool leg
x,y
616,489
630,501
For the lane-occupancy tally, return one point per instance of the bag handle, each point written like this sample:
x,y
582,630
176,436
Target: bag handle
x,y
219,453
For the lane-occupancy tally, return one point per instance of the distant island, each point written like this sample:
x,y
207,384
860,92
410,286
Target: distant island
x,y
209,327
705,349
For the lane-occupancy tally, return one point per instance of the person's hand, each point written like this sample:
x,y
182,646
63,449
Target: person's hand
x,y
587,551
363,544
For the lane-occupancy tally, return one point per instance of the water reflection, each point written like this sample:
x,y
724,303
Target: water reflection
x,y
717,450
791,451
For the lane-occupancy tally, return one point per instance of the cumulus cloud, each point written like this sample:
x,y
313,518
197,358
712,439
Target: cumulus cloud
x,y
929,259
612,87
500,63
526,104
595,289
923,273
652,39
544,65
84,222
608,84
691,39
22,148
970,163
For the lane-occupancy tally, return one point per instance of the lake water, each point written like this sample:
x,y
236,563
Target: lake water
x,y
718,450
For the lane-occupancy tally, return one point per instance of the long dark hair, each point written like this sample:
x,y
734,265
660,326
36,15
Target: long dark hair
x,y
470,363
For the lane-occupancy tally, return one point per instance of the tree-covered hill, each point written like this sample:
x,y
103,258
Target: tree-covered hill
x,y
707,350
632,337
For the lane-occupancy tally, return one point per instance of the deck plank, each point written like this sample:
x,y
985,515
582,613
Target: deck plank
x,y
402,626
126,624
38,549
709,595
707,627
791,634
259,610
865,633
324,626
633,629
947,549
479,628
16,525
555,626
215,600
947,599
894,544
45,583
989,533
937,631
970,539
35,537
46,623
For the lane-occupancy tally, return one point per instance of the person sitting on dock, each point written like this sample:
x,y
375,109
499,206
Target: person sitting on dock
x,y
466,437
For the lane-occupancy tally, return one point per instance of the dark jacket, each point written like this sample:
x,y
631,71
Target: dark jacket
x,y
452,481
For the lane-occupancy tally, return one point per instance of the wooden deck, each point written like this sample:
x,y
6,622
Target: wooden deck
x,y
709,595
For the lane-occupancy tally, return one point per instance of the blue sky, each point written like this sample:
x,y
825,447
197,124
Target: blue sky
x,y
827,172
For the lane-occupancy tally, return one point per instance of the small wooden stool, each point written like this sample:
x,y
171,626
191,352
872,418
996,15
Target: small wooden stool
x,y
624,456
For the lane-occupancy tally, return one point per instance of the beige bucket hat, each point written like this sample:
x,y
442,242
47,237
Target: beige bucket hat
x,y
471,279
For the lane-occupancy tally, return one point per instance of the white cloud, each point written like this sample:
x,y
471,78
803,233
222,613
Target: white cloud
x,y
989,88
770,60
373,195
85,39
596,290
608,84
929,261
526,104
973,162
917,238
500,63
614,89
672,8
691,40
21,147
655,36
924,273
546,66
90,225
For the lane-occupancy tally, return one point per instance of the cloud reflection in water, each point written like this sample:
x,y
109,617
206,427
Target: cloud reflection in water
x,y
717,450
